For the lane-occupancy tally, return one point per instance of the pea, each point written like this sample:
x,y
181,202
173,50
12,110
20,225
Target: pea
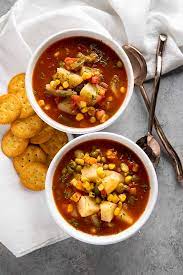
x,y
94,154
70,170
78,168
72,164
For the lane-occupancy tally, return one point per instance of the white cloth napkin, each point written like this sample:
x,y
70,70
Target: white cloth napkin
x,y
25,222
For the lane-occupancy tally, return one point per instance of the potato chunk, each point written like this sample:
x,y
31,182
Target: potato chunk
x,y
111,181
90,172
87,206
72,78
89,92
107,211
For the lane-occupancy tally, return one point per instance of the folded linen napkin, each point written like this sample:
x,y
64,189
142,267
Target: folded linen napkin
x,y
25,221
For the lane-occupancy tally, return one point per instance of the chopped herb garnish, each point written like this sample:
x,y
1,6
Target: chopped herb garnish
x,y
68,193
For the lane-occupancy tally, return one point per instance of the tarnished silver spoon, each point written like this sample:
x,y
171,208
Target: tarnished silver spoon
x,y
140,73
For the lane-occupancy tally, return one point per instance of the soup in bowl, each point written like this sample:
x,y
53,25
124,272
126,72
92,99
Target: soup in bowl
x,y
101,188
79,81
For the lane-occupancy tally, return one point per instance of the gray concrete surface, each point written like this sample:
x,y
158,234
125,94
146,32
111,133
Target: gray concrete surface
x,y
158,248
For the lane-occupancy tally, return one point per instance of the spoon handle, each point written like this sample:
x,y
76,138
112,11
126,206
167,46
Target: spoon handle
x,y
168,147
159,54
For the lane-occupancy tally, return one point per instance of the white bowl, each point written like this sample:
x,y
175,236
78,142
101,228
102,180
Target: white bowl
x,y
71,33
109,239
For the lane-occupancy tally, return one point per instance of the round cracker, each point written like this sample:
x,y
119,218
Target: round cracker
x,y
12,145
33,176
32,153
44,135
55,143
48,160
27,127
17,83
27,109
10,108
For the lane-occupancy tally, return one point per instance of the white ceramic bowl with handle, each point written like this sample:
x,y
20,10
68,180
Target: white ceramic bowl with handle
x,y
78,33
109,239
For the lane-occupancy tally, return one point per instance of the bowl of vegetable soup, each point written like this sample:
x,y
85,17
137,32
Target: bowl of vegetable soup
x,y
101,188
79,81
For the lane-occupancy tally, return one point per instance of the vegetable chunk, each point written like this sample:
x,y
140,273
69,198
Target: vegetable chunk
x,y
90,172
107,211
87,206
126,217
111,181
72,78
89,92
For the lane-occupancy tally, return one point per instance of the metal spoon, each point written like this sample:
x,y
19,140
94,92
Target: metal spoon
x,y
148,143
140,72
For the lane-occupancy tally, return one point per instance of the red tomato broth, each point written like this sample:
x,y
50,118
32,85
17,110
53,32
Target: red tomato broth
x,y
85,224
46,67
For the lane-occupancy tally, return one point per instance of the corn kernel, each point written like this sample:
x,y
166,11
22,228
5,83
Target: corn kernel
x,y
120,187
41,102
98,158
100,172
47,107
106,166
123,90
82,104
100,187
110,197
80,161
112,166
117,211
122,197
65,84
60,87
84,110
84,179
53,84
115,198
124,167
120,204
75,197
86,75
74,182
128,179
57,82
70,207
92,119
104,118
98,181
91,111
86,185
79,116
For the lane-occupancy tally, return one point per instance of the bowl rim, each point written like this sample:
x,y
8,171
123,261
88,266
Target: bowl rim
x,y
107,239
73,33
